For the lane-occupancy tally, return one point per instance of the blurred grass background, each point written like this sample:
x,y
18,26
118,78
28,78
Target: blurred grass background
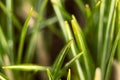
x,y
37,36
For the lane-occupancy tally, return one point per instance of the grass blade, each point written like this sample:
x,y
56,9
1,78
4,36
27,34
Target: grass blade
x,y
10,15
56,4
22,38
80,39
80,5
59,60
118,26
10,29
74,52
50,77
97,74
26,67
107,36
3,40
112,56
100,31
73,60
31,46
5,46
3,77
69,75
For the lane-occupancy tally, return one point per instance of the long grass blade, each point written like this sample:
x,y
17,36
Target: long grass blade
x,y
118,26
107,36
80,39
100,31
107,76
25,67
22,38
31,46
74,52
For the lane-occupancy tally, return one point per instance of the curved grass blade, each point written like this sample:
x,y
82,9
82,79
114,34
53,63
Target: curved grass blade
x,y
69,75
74,52
80,39
59,60
26,67
22,38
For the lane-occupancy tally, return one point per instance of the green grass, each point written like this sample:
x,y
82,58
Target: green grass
x,y
63,43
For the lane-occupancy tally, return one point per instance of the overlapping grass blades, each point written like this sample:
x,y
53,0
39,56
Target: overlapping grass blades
x,y
114,45
59,60
80,40
107,37
103,18
68,36
74,51
50,77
